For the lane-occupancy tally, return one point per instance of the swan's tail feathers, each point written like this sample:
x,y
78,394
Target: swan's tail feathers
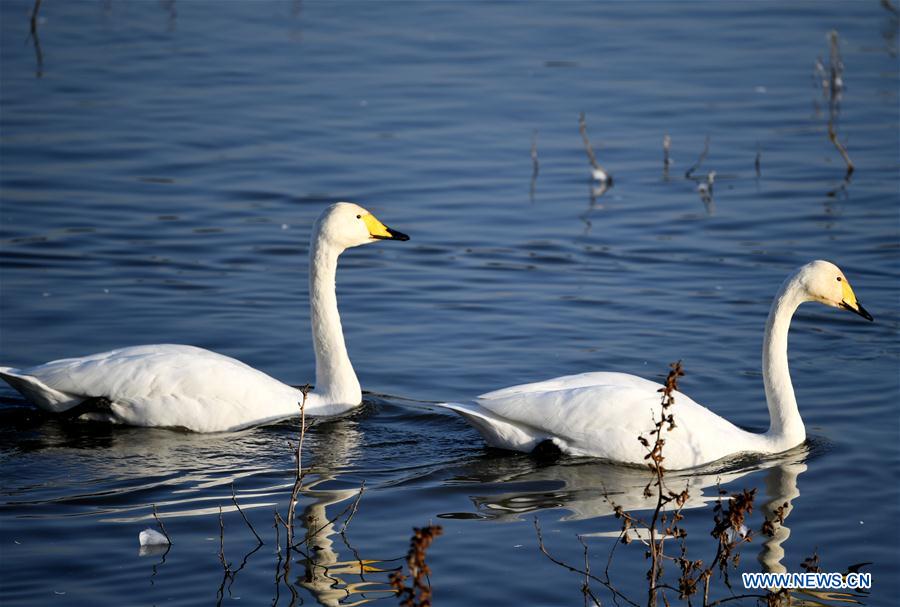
x,y
37,392
497,432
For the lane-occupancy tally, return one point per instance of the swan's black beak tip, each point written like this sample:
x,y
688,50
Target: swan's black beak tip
x,y
862,312
392,235
858,309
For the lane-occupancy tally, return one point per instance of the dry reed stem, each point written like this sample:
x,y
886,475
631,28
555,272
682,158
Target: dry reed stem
x,y
352,508
729,530
34,16
243,516
689,173
298,478
656,458
225,564
834,89
582,128
362,488
160,523
667,159
586,585
535,165
563,564
832,135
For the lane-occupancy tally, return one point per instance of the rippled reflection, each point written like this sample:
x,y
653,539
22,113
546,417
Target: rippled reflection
x,y
586,490
331,577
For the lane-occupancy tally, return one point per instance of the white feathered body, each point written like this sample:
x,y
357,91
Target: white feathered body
x,y
601,415
191,388
165,385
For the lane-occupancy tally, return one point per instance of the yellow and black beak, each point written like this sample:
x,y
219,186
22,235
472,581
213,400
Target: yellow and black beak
x,y
856,308
380,231
849,302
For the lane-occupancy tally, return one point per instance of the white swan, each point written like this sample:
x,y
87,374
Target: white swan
x,y
187,387
602,414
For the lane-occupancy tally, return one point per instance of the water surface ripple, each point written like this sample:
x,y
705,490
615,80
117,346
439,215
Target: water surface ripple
x,y
163,162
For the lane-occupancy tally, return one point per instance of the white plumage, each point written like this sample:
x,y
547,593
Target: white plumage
x,y
186,387
602,414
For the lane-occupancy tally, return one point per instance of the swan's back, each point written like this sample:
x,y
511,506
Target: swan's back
x,y
602,415
160,385
565,382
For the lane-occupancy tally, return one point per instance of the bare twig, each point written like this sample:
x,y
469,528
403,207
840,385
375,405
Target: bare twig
x,y
225,564
582,128
298,478
834,89
564,565
689,173
161,526
836,67
667,159
354,509
586,585
36,41
34,16
243,516
535,165
279,571
832,135
349,508
279,522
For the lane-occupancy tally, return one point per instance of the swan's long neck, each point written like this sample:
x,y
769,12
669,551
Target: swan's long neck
x,y
785,426
336,381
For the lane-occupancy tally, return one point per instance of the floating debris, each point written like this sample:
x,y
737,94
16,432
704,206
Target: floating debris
x,y
152,537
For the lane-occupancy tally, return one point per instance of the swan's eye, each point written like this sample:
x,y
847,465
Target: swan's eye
x,y
839,279
360,217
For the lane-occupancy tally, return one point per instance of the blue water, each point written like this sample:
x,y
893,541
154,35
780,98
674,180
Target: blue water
x,y
163,162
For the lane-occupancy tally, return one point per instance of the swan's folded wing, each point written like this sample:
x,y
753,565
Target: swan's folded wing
x,y
606,420
581,415
566,382
169,385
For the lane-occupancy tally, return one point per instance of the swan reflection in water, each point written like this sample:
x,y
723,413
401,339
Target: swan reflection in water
x,y
188,477
330,577
325,563
588,489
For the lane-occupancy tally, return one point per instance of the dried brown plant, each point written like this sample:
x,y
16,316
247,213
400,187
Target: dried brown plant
x,y
418,594
811,563
729,530
768,526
